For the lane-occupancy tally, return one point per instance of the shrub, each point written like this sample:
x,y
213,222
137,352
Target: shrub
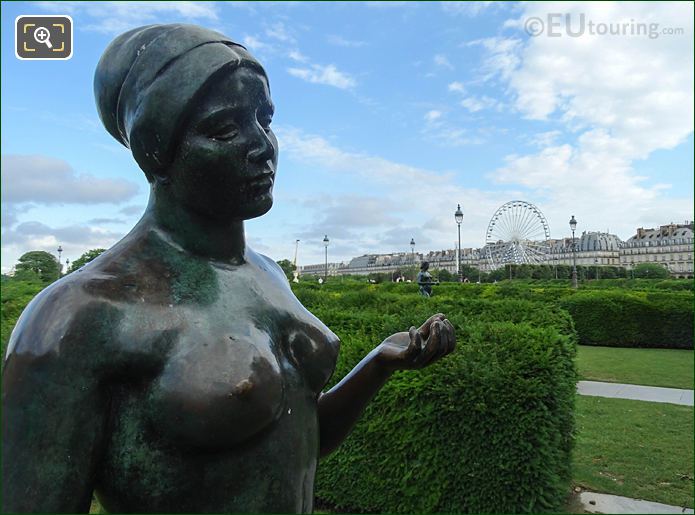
x,y
16,294
633,319
489,429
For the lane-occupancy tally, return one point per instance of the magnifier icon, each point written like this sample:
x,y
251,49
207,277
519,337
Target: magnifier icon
x,y
42,35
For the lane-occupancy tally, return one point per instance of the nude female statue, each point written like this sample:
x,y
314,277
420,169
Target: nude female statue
x,y
177,372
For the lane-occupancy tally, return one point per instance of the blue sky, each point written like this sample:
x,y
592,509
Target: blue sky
x,y
388,115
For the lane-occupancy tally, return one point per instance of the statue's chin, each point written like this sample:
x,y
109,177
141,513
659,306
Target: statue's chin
x,y
249,210
258,208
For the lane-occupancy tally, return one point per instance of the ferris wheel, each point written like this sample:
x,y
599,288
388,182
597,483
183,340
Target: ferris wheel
x,y
518,233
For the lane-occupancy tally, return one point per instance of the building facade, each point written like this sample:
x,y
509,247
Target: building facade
x,y
670,246
593,249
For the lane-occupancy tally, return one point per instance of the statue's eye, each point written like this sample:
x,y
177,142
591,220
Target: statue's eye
x,y
225,133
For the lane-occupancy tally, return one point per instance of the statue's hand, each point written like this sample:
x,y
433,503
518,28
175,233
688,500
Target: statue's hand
x,y
418,348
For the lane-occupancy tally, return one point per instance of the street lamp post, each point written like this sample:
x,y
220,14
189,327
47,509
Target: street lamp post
x,y
596,265
458,216
295,272
60,265
573,226
412,249
325,244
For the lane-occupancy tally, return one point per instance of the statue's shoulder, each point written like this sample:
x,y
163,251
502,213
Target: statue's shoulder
x,y
59,318
267,264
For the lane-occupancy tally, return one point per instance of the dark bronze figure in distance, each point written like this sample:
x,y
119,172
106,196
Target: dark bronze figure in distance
x,y
177,372
424,280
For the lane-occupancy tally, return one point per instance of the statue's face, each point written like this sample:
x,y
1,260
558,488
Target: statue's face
x,y
225,166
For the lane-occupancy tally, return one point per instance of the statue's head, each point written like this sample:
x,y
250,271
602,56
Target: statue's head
x,y
194,108
424,266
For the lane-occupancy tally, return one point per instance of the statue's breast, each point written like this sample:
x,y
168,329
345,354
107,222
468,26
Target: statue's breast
x,y
313,349
218,389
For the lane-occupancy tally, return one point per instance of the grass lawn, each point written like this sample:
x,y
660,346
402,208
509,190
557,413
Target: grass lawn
x,y
652,367
637,449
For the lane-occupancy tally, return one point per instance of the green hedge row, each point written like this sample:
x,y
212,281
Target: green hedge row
x,y
488,429
660,317
620,319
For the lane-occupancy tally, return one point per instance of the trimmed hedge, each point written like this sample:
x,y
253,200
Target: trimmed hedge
x,y
638,313
633,319
488,429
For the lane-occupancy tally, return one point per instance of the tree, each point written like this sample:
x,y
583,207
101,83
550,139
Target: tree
x,y
84,259
651,271
445,276
287,267
498,274
469,272
40,263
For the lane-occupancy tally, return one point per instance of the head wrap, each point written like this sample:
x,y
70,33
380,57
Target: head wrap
x,y
146,79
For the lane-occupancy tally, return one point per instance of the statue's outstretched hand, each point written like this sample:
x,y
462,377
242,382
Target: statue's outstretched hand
x,y
418,348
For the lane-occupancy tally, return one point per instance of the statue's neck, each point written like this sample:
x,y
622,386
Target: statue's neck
x,y
200,235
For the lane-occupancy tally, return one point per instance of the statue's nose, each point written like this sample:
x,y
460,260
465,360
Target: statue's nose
x,y
262,148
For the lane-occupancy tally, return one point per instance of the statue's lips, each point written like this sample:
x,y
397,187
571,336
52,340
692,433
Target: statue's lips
x,y
259,185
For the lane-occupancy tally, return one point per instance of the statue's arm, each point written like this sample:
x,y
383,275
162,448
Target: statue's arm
x,y
340,407
53,417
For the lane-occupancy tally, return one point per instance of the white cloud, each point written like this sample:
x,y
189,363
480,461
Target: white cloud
x,y
74,239
622,97
257,46
475,104
328,75
411,199
132,210
279,32
502,56
467,8
457,86
443,133
46,180
337,40
432,115
442,61
296,55
545,139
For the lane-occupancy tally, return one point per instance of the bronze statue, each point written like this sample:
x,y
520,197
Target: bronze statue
x,y
424,280
178,372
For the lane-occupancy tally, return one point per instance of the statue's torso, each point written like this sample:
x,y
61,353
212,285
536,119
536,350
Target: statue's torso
x,y
224,419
